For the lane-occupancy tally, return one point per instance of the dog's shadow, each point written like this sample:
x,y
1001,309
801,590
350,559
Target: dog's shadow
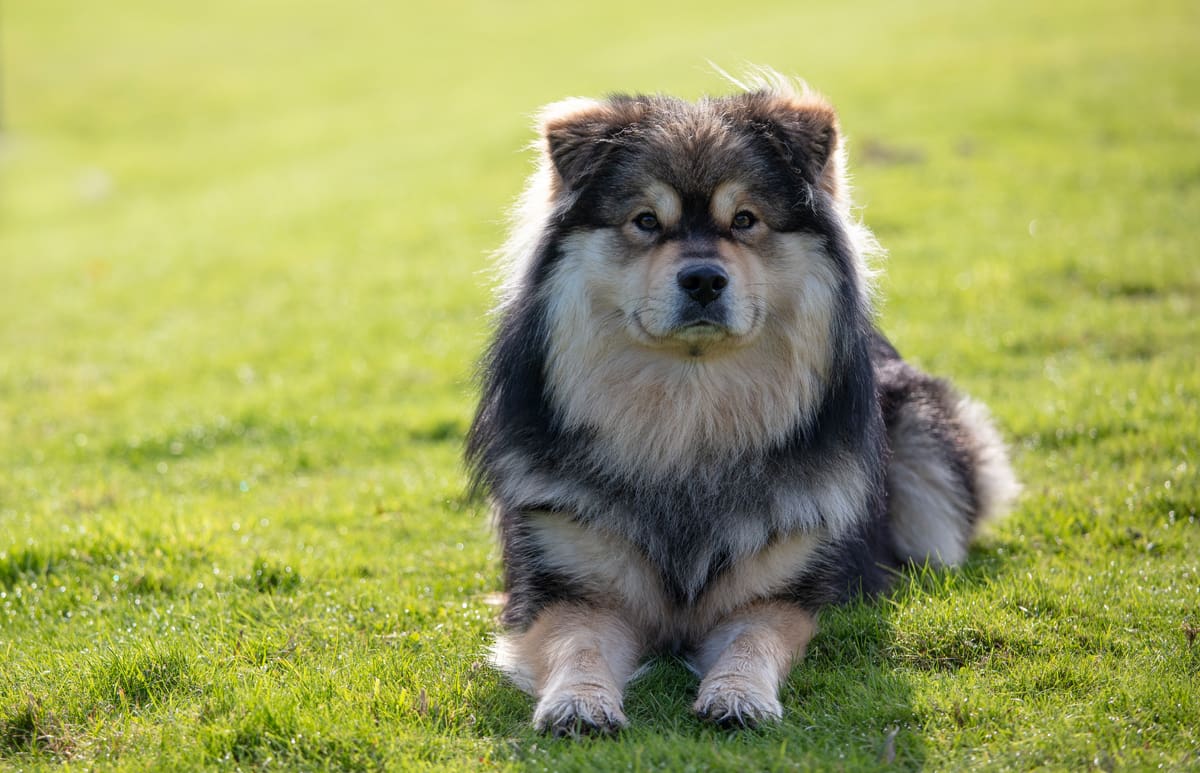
x,y
849,701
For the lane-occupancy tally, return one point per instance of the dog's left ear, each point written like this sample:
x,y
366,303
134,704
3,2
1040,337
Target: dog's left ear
x,y
580,134
804,129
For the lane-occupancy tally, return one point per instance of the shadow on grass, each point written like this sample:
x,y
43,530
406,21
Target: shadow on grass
x,y
849,704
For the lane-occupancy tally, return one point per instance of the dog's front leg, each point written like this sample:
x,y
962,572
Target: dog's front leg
x,y
575,659
745,658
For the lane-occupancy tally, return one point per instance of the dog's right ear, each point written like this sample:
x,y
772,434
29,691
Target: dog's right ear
x,y
804,128
579,134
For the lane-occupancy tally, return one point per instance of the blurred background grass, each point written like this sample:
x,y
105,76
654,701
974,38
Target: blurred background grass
x,y
243,281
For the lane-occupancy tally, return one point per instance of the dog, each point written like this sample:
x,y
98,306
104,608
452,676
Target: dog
x,y
691,432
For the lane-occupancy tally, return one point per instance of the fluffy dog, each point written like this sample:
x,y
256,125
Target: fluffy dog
x,y
692,434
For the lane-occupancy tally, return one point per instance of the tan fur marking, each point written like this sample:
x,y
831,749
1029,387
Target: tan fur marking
x,y
745,659
576,659
665,202
727,199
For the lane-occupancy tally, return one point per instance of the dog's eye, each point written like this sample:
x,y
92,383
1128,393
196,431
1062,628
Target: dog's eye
x,y
744,220
647,221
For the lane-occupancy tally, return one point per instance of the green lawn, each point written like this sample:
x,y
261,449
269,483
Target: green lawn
x,y
244,277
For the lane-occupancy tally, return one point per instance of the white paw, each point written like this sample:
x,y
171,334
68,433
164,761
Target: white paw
x,y
581,709
730,700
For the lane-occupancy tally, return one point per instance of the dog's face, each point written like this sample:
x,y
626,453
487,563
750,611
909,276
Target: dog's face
x,y
690,227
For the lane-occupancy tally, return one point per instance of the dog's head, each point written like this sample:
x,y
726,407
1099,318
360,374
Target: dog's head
x,y
694,264
693,225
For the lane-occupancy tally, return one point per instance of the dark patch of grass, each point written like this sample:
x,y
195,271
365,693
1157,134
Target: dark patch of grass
x,y
24,564
142,676
118,565
265,736
958,647
267,576
438,431
31,728
38,564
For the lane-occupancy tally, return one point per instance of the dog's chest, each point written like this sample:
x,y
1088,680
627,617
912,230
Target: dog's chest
x,y
689,534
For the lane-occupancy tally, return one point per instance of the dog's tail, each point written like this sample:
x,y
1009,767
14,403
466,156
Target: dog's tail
x,y
949,469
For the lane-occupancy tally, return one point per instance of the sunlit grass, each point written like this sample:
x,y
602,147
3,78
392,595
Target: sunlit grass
x,y
243,282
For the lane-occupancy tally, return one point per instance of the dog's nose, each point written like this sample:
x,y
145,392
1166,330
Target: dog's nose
x,y
703,283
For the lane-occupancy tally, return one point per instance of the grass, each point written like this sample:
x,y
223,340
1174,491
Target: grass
x,y
243,281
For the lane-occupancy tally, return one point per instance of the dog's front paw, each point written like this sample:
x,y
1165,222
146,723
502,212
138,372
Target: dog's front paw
x,y
581,709
733,701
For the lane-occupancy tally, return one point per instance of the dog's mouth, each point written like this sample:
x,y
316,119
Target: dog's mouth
x,y
700,330
696,336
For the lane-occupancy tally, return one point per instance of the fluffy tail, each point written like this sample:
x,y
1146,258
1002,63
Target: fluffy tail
x,y
949,470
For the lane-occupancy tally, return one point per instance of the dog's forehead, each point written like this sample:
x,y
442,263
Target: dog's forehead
x,y
697,148
701,148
